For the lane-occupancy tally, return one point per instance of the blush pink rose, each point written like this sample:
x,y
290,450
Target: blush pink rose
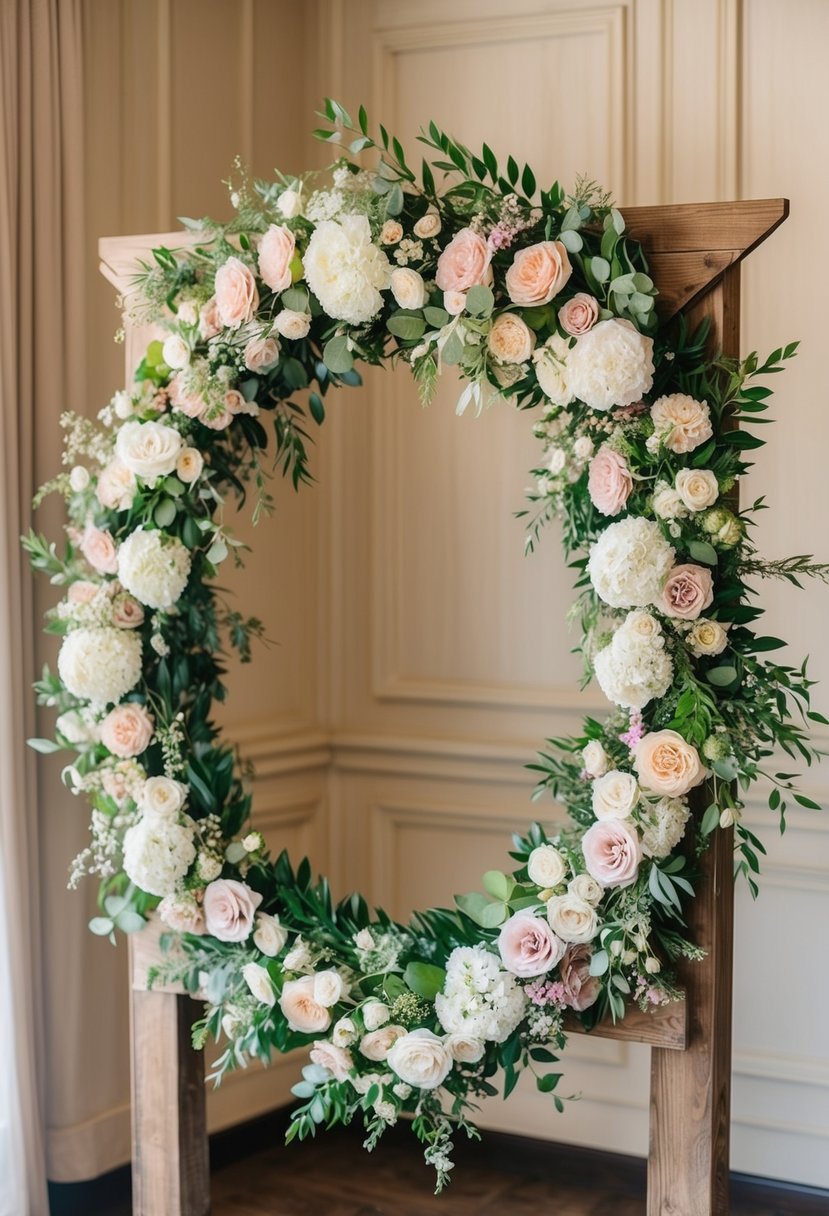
x,y
276,250
127,730
464,262
667,764
528,945
191,404
236,296
261,353
217,421
302,1011
235,402
579,315
336,1059
609,481
116,486
538,273
229,908
377,1044
688,591
82,591
612,852
581,989
99,550
210,323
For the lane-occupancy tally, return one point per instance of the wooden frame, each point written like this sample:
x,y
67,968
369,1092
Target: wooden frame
x,y
694,252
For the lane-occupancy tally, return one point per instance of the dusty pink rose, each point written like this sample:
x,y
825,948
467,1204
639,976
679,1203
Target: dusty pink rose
x,y
261,353
579,314
116,487
235,402
581,989
236,296
191,404
127,613
609,481
612,852
217,422
688,591
229,908
210,323
464,262
377,1044
127,730
183,913
667,764
82,591
276,250
99,550
528,945
538,273
336,1059
303,1013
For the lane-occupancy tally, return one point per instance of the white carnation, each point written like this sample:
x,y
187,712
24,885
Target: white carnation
x,y
100,665
148,449
635,667
479,1000
158,853
154,567
552,371
611,365
663,826
345,271
629,563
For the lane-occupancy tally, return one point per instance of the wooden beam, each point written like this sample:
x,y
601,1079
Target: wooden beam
x,y
666,1026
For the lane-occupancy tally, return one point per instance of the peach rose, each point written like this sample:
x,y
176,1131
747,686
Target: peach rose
x,y
302,1012
127,730
510,340
581,989
218,421
234,402
681,422
127,613
336,1059
99,550
464,262
191,404
454,302
609,481
261,353
579,314
612,852
236,296
378,1043
667,764
428,226
82,592
688,591
276,250
116,486
229,908
538,273
189,465
391,233
528,945
210,323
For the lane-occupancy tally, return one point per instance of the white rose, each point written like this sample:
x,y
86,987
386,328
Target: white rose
x,y
463,1049
364,940
615,795
697,488
707,637
175,352
163,796
454,302
595,759
328,988
259,982
74,728
585,887
550,362
344,1033
667,502
420,1059
291,324
375,1014
269,935
408,288
188,313
289,204
572,919
122,404
148,449
510,340
546,866
79,479
189,465
428,226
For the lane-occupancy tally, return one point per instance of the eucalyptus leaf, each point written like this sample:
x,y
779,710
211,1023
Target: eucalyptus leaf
x,y
165,513
721,677
336,355
480,301
571,240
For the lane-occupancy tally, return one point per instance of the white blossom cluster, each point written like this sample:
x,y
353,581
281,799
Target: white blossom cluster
x,y
630,562
479,999
635,667
100,665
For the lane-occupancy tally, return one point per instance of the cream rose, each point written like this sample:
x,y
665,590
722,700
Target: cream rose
x,y
546,866
391,233
595,759
292,325
528,946
116,487
303,1012
667,502
127,730
175,352
344,1033
681,422
328,987
454,302
261,354
550,361
667,764
289,204
375,1014
79,479
609,481
99,550
269,935
612,852
464,263
189,465
579,314
408,288
428,226
335,1059
377,1044
259,982
707,637
463,1049
687,592
236,295
420,1059
538,273
697,488
276,250
229,909
148,449
510,340
572,919
163,796
585,887
614,795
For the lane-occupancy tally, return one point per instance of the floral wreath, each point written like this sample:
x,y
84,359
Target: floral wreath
x,y
540,299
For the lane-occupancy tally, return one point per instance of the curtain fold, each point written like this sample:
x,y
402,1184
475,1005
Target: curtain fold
x,y
41,372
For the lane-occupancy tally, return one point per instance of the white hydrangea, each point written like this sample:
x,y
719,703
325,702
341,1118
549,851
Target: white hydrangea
x,y
479,999
629,563
663,826
154,567
100,665
158,852
611,365
345,271
635,667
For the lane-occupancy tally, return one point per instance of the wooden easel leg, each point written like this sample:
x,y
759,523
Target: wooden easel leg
x,y
170,1168
688,1164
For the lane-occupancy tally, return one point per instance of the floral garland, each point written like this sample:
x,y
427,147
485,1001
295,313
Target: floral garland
x,y
541,299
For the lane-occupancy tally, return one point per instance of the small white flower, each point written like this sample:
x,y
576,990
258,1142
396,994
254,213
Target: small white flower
x,y
208,867
289,204
364,940
557,460
408,288
291,324
583,447
269,935
79,479
175,352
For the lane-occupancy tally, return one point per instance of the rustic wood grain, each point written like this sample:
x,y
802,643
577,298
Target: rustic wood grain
x,y
665,1027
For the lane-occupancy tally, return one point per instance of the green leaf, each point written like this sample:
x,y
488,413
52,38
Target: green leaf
x,y
101,926
44,746
336,355
721,677
394,200
406,327
701,551
498,885
494,915
130,921
295,298
547,1083
571,240
165,513
599,963
436,317
424,979
727,768
710,819
317,408
452,352
472,905
480,301
528,182
600,269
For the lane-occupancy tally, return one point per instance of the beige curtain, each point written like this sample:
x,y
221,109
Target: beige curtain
x,y
41,372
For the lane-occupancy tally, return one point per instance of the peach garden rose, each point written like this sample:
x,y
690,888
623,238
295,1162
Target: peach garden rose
x,y
237,297
303,1012
464,263
538,273
276,250
668,764
127,730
